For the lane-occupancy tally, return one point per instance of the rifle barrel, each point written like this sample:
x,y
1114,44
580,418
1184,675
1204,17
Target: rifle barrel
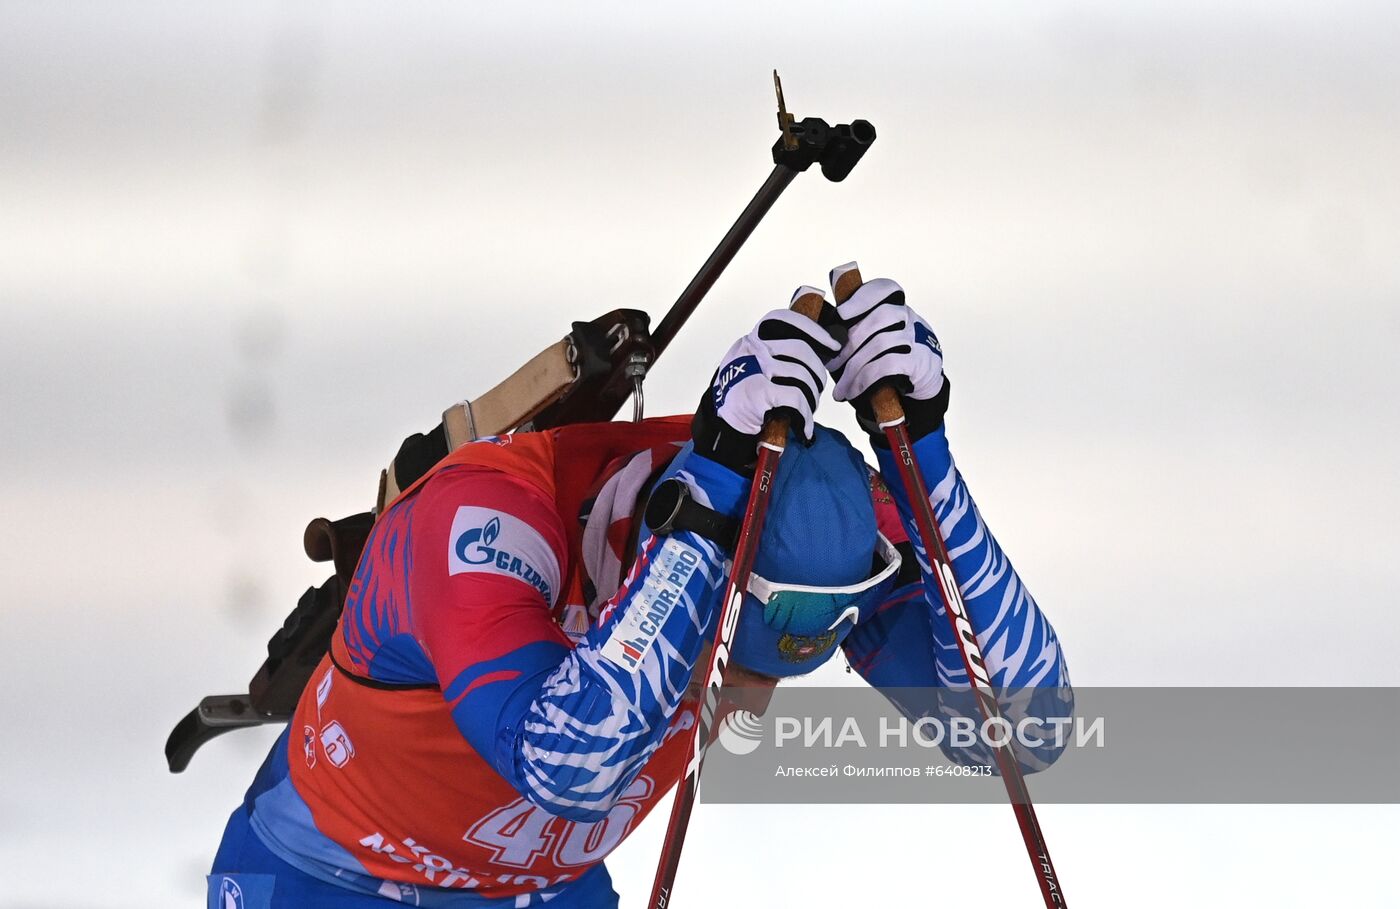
x,y
724,253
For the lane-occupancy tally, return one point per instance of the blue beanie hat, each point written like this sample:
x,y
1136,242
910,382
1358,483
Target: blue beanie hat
x,y
820,528
820,531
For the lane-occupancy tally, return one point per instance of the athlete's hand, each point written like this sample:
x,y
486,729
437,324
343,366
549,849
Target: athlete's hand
x,y
779,367
888,343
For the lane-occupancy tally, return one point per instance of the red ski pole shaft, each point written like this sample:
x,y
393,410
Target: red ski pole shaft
x,y
770,449
889,413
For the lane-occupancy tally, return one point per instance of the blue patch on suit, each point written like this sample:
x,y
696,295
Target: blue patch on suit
x,y
241,891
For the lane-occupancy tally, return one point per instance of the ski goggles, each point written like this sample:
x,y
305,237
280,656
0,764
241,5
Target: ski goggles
x,y
792,628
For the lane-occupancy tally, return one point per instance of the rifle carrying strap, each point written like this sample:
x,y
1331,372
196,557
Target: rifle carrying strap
x,y
516,399
511,403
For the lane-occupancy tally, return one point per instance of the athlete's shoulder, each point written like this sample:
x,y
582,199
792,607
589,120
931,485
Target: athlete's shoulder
x,y
461,494
528,457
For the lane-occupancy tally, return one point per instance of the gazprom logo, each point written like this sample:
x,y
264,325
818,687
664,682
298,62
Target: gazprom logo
x,y
492,542
474,546
731,374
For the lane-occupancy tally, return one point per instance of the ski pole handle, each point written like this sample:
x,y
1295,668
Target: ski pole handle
x,y
845,281
810,305
775,431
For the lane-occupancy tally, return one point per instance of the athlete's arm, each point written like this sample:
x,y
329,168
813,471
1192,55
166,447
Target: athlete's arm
x,y
571,728
908,649
1018,643
911,641
568,727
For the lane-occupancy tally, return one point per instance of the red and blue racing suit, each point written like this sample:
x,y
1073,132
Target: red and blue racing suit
x,y
487,728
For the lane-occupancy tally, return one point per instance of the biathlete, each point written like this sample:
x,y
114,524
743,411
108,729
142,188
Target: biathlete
x,y
501,700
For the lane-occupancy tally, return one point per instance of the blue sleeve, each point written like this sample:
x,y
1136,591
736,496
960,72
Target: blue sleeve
x,y
588,729
909,643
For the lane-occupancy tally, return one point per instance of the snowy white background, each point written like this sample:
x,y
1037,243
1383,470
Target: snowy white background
x,y
245,248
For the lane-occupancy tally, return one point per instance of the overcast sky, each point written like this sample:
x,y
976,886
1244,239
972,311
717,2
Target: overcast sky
x,y
245,249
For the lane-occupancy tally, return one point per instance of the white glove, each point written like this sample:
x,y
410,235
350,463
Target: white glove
x,y
780,365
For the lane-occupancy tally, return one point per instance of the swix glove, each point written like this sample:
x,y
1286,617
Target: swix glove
x,y
778,368
888,343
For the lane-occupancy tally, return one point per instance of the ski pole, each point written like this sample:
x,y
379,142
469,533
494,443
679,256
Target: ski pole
x,y
889,413
770,448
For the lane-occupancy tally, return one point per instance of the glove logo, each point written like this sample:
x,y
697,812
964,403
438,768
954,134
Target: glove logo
x,y
741,733
732,374
489,542
925,336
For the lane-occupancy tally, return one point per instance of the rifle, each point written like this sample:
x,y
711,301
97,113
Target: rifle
x,y
585,377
